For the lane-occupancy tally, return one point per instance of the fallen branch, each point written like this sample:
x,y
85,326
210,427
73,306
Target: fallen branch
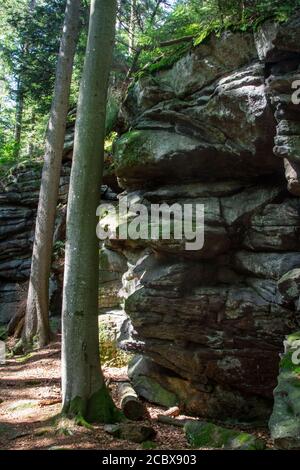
x,y
132,407
49,402
179,423
150,47
171,42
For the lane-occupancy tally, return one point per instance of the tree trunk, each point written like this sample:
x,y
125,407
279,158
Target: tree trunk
x,y
85,395
37,316
19,118
132,27
20,97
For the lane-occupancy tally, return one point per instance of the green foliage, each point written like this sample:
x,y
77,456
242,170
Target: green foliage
x,y
6,152
29,42
29,37
167,59
109,142
147,445
287,364
30,46
200,18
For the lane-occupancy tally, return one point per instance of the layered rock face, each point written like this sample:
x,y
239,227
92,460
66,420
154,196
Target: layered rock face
x,y
19,194
218,128
209,324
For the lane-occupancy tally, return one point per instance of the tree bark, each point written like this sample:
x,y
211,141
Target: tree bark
x,y
37,315
132,27
19,118
20,97
85,395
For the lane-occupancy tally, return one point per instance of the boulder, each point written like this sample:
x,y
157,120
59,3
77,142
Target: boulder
x,y
115,331
197,69
140,372
184,139
133,432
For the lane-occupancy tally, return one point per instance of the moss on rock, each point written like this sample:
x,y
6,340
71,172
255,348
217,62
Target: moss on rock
x,y
133,148
202,434
154,392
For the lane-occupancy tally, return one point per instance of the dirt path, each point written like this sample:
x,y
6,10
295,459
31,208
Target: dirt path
x,y
30,401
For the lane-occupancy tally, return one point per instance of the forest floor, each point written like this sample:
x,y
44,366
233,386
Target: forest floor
x,y
30,400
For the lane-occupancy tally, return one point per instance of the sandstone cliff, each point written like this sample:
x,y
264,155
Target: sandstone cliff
x,y
218,128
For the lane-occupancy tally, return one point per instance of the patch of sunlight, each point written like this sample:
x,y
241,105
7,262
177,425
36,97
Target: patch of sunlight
x,y
22,405
25,358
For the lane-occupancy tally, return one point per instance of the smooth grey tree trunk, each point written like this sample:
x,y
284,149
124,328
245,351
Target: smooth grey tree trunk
x,y
20,97
85,396
37,315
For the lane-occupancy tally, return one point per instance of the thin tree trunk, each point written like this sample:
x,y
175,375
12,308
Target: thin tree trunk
x,y
20,97
155,11
132,27
30,150
37,315
19,118
85,395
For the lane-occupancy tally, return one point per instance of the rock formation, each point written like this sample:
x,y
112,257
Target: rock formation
x,y
218,128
